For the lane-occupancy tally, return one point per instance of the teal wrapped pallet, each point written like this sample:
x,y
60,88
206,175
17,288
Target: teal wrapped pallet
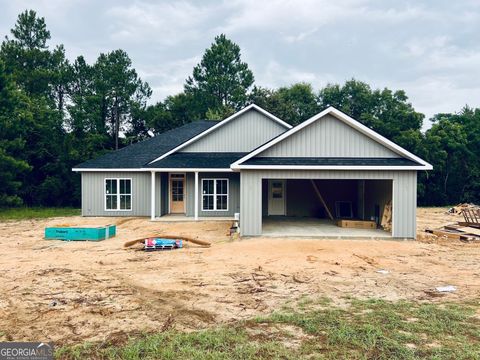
x,y
80,233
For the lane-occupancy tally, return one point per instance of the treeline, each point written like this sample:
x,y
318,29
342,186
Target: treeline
x,y
55,113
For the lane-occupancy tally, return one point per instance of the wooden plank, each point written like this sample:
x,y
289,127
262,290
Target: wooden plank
x,y
321,199
473,225
447,234
469,230
359,224
387,216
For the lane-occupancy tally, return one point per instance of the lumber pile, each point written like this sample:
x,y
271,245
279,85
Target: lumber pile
x,y
458,209
457,231
387,217
471,215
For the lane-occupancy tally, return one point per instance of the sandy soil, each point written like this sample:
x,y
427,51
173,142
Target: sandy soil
x,y
74,291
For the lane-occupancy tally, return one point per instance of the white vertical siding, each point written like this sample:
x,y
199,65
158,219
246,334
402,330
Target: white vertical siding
x,y
404,195
242,134
328,137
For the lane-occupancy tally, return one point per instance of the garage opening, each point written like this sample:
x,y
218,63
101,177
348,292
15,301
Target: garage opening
x,y
327,208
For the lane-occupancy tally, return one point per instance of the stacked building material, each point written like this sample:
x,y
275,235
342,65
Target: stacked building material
x,y
152,244
457,232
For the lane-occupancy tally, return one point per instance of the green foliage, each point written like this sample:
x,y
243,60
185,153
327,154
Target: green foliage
x,y
385,111
221,80
15,118
55,114
371,329
25,213
294,104
70,113
452,146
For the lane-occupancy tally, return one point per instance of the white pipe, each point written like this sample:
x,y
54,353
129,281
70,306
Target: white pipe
x,y
196,195
152,199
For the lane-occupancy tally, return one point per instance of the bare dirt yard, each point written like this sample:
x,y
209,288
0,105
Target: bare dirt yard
x,y
69,292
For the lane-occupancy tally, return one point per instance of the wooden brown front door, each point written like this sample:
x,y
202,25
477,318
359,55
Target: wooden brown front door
x,y
177,193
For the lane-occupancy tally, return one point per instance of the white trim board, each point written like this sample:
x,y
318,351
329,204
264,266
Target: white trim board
x,y
326,167
108,170
349,121
155,169
222,123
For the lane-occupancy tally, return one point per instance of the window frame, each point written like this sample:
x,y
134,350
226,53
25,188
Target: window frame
x,y
215,194
118,194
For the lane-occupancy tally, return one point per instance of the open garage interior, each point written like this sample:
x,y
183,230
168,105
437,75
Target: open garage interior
x,y
305,207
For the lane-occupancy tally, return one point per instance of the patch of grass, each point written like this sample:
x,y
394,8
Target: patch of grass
x,y
24,213
372,329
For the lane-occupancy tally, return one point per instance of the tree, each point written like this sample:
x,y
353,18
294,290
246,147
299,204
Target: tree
x,y
385,111
118,87
448,151
173,112
33,67
221,81
15,117
294,104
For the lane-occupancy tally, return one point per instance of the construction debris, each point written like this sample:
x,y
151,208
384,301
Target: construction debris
x,y
457,232
471,215
387,217
448,288
171,237
152,244
358,224
457,209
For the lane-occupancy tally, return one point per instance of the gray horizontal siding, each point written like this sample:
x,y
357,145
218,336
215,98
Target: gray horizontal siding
x,y
242,134
233,195
328,137
404,195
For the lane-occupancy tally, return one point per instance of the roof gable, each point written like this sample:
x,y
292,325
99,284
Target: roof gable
x,y
240,132
330,134
137,155
328,137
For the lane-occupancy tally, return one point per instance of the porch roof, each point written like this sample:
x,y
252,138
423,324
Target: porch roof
x,y
197,160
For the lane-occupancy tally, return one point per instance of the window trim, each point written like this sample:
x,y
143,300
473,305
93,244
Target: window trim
x,y
215,194
118,194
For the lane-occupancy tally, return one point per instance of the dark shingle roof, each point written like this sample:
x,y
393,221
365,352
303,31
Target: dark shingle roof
x,y
322,161
198,160
140,154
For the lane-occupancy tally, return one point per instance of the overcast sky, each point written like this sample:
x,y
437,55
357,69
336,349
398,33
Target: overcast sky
x,y
431,49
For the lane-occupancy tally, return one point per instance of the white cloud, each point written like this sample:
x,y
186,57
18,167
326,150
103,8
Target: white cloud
x,y
168,79
430,49
276,75
301,36
161,23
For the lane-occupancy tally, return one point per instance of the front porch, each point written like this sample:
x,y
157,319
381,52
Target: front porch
x,y
185,218
178,195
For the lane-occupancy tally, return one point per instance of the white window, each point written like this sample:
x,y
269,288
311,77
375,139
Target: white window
x,y
118,194
214,194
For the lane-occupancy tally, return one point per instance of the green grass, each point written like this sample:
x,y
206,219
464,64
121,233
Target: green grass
x,y
24,213
315,330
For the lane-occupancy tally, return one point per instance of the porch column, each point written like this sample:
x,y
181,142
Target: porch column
x,y
196,195
152,193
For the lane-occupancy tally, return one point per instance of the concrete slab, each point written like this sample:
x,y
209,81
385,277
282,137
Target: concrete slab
x,y
312,227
